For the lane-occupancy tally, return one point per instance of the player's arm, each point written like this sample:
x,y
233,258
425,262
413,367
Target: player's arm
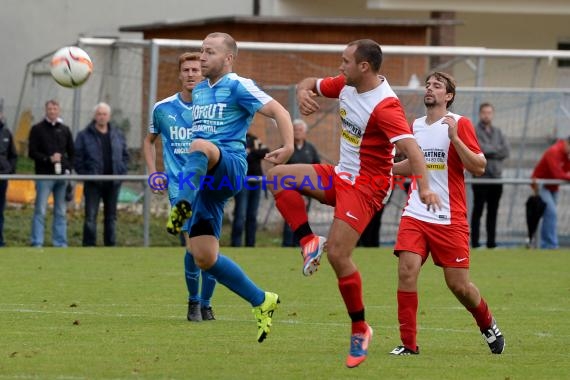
x,y
150,152
402,168
418,171
306,92
150,159
276,111
473,162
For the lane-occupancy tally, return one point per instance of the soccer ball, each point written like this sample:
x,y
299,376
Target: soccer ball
x,y
71,66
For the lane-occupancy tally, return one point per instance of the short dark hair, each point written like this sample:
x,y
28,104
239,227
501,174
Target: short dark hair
x,y
52,102
449,81
485,105
368,51
187,57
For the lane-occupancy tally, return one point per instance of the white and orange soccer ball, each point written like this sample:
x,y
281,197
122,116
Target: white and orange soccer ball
x,y
71,66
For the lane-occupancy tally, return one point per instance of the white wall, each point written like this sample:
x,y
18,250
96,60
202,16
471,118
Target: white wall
x,y
32,28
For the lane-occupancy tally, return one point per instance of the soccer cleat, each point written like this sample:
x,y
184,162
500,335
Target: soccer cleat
x,y
494,338
208,314
179,214
404,351
359,348
264,314
312,252
194,313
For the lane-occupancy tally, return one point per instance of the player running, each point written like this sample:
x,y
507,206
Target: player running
x,y
449,144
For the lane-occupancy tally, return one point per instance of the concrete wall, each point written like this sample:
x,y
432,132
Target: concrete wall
x,y
32,28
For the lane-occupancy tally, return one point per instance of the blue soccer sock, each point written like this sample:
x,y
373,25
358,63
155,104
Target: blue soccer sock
x,y
189,180
208,286
228,273
192,275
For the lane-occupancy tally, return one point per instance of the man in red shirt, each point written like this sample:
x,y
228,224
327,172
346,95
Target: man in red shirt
x,y
373,121
554,164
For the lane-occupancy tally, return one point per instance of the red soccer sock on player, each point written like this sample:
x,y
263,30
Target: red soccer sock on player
x,y
351,290
407,314
293,209
482,314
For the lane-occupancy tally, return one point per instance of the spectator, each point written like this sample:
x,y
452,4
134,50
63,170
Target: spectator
x,y
8,158
554,164
495,148
50,145
305,153
101,149
247,200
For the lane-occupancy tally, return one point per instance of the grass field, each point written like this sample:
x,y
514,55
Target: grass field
x,y
95,313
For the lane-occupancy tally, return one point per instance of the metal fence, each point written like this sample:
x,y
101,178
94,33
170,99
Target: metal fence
x,y
126,76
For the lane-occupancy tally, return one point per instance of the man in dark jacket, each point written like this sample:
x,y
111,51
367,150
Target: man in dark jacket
x,y
8,159
101,149
50,145
495,147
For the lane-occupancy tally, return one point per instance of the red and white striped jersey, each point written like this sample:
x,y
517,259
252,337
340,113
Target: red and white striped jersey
x,y
371,123
445,170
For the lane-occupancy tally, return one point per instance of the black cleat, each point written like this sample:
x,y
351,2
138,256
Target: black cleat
x,y
208,314
494,338
194,313
404,351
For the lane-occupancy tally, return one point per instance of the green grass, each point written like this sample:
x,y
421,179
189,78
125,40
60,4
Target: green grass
x,y
120,313
18,227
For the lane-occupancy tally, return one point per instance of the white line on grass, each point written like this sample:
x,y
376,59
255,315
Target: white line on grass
x,y
240,320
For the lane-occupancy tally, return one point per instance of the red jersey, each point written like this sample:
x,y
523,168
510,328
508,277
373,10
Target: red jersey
x,y
554,164
371,123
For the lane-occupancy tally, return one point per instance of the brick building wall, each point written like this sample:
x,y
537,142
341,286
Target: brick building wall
x,y
277,68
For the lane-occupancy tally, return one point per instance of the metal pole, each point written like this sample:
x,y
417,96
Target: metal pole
x,y
152,86
522,148
146,215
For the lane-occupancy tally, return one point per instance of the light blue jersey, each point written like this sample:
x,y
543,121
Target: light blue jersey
x,y
172,120
222,114
223,111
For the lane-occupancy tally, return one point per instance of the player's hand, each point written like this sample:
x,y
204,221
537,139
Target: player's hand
x,y
279,156
431,200
307,102
452,129
161,186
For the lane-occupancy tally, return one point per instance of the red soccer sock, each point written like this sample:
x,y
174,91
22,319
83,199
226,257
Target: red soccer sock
x,y
407,314
292,207
351,290
482,314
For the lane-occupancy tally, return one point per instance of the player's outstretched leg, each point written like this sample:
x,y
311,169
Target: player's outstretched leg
x,y
229,274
